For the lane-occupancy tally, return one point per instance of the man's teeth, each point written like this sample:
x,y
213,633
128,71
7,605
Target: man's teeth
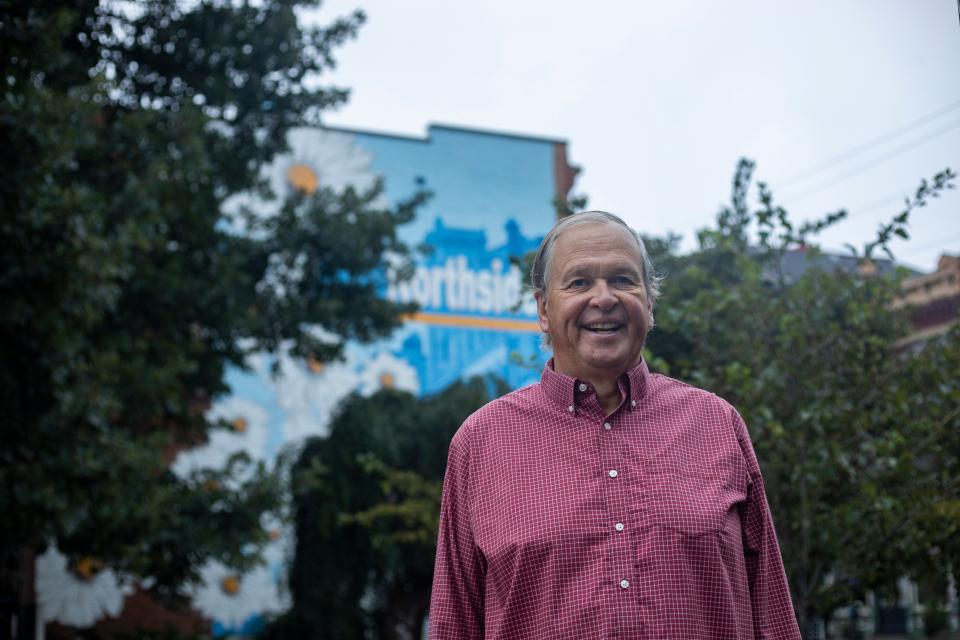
x,y
602,327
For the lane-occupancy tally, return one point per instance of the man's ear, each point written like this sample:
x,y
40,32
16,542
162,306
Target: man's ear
x,y
541,298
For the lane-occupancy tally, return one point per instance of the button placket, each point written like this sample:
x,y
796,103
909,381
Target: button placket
x,y
616,493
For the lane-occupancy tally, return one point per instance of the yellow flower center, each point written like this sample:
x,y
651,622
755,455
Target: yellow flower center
x,y
86,567
314,365
302,178
230,585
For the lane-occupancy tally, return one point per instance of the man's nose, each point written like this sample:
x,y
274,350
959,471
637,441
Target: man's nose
x,y
603,297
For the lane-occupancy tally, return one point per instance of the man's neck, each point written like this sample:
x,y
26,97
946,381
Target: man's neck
x,y
606,386
608,394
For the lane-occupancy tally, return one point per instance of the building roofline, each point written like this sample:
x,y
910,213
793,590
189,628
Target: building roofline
x,y
379,134
494,132
446,127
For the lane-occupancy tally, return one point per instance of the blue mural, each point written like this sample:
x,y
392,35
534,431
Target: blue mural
x,y
476,318
492,204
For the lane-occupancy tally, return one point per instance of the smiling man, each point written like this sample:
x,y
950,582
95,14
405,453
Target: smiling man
x,y
605,501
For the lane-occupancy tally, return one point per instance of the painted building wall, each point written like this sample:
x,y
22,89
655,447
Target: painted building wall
x,y
493,201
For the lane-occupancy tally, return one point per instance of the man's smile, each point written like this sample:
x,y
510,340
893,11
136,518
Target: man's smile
x,y
603,328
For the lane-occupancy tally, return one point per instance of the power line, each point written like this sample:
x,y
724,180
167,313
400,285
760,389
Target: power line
x,y
874,162
923,247
846,155
858,211
875,204
879,202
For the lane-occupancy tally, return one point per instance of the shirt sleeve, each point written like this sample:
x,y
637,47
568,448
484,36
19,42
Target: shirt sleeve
x,y
456,603
773,614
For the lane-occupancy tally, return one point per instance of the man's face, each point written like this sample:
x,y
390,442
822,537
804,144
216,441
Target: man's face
x,y
595,309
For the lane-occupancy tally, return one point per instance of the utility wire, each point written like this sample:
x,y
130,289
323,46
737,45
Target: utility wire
x,y
899,198
890,199
846,155
858,211
874,162
941,242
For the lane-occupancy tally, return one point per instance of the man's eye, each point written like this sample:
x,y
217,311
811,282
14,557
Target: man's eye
x,y
622,281
577,283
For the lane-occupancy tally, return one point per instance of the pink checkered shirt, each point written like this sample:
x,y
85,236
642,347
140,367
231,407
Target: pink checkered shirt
x,y
561,522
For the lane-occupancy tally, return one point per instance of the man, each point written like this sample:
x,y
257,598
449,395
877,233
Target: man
x,y
605,501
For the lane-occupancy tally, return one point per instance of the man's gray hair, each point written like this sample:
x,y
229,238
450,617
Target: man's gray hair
x,y
540,273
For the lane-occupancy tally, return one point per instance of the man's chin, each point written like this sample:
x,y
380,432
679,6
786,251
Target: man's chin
x,y
612,363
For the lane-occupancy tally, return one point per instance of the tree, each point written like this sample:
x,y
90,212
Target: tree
x,y
857,442
367,508
125,293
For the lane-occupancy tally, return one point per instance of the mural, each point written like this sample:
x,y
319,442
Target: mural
x,y
474,318
76,593
492,204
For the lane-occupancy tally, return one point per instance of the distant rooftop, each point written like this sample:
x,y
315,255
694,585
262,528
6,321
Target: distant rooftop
x,y
796,262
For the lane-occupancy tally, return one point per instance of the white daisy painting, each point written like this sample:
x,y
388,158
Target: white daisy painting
x,y
387,371
309,392
317,158
77,591
321,158
248,432
234,600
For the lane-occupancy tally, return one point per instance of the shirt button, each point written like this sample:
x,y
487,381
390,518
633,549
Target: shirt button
x,y
583,387
612,473
607,426
618,526
633,403
570,408
624,584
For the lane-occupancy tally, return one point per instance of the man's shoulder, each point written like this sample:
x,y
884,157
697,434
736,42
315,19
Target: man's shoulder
x,y
499,413
505,408
672,391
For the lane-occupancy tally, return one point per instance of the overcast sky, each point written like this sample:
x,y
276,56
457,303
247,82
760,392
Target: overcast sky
x,y
842,103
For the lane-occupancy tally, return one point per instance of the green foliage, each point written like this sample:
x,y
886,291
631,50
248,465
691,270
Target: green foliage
x,y
857,441
410,514
125,295
568,206
367,507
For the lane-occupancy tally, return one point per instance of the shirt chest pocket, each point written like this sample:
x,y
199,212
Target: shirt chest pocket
x,y
693,505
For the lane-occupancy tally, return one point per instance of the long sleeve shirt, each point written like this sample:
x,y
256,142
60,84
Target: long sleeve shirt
x,y
559,521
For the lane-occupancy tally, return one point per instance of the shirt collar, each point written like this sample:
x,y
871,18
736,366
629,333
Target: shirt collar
x,y
566,392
